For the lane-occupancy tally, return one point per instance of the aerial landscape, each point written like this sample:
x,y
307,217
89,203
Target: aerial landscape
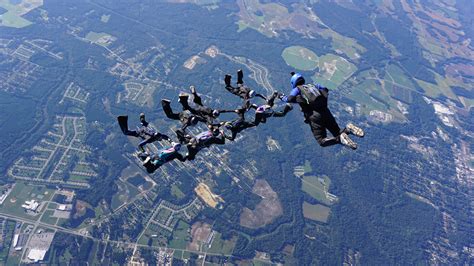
x,y
74,192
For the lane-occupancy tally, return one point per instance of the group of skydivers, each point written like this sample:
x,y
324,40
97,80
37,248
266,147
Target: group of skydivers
x,y
312,98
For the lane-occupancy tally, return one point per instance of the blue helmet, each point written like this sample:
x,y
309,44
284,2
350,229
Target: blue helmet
x,y
295,78
176,146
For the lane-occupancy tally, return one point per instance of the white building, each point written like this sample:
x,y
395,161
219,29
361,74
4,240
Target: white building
x,y
37,254
31,205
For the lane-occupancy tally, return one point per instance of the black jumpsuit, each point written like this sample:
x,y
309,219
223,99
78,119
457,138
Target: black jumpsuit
x,y
185,117
319,117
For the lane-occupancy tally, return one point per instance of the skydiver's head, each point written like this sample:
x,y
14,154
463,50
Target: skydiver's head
x,y
176,146
228,125
215,131
193,120
296,80
251,93
142,120
262,108
215,113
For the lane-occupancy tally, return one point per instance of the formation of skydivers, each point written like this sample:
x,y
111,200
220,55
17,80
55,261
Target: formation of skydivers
x,y
312,99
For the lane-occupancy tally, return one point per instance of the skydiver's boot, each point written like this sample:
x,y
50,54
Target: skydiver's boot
x,y
123,123
142,155
147,160
183,99
165,102
346,141
240,77
354,130
227,79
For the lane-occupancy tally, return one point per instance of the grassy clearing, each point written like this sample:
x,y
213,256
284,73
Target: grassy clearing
x,y
346,45
12,18
372,94
317,187
396,75
242,26
22,192
105,18
48,217
125,193
222,246
100,38
175,191
180,236
442,87
260,263
333,71
468,103
361,95
155,235
163,215
178,254
316,212
307,167
300,58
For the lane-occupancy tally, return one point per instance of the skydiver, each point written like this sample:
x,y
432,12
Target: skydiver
x,y
236,126
200,141
145,132
241,90
155,160
185,117
313,100
265,111
199,109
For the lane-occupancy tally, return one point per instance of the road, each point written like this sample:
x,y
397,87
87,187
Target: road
x,y
56,228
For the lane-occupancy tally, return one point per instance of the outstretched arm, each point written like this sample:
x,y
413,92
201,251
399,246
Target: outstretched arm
x,y
163,136
168,110
219,140
292,97
123,123
180,157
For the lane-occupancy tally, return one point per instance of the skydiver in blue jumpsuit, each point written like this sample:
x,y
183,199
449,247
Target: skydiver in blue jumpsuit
x,y
313,100
147,133
155,160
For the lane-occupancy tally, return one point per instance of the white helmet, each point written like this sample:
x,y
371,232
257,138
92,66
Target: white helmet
x,y
251,93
